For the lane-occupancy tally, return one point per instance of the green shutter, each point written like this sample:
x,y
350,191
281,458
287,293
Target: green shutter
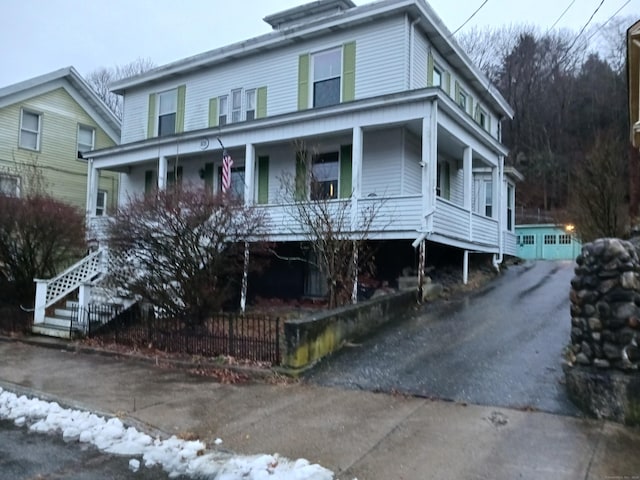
x,y
345,171
213,112
470,104
349,72
457,93
261,102
447,83
263,179
151,122
208,177
149,183
430,70
301,176
488,122
303,82
182,91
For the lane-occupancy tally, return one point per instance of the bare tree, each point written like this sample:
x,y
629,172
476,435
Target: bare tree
x,y
598,195
102,78
181,249
337,240
39,235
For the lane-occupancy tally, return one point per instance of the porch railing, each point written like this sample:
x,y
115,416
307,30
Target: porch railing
x,y
51,291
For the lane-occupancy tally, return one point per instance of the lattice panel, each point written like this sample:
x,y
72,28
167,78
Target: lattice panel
x,y
73,277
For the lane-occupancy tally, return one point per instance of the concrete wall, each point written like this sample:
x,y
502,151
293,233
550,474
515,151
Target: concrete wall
x,y
307,340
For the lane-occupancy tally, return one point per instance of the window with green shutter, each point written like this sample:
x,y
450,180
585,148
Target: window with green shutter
x,y
301,176
213,112
261,107
303,82
349,72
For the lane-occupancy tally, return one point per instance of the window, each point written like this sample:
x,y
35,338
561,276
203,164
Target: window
x,y
237,182
223,108
30,130
550,240
564,239
327,72
510,205
437,76
462,99
250,105
324,176
488,199
236,105
168,107
86,139
528,240
101,203
443,180
482,118
9,185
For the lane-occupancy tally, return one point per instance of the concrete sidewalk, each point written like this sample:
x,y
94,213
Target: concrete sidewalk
x,y
356,434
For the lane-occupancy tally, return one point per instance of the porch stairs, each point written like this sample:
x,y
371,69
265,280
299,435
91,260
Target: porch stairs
x,y
64,302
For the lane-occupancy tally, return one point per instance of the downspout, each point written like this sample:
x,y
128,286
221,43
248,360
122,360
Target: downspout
x,y
411,51
497,261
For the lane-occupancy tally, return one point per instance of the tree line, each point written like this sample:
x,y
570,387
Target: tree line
x,y
570,128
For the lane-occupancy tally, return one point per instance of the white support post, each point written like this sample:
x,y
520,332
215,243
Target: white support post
x,y
249,174
356,174
495,193
93,178
467,174
84,299
245,275
162,173
429,164
41,301
465,267
354,293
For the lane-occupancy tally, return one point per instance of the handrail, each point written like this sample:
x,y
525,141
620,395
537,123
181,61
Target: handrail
x,y
60,286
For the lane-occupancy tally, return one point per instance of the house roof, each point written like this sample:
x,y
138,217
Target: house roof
x,y
75,85
303,12
418,11
633,79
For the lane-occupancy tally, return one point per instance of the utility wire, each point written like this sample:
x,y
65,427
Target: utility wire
x,y
584,27
562,15
470,17
608,20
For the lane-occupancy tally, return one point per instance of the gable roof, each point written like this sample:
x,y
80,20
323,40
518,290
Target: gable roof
x,y
342,19
69,79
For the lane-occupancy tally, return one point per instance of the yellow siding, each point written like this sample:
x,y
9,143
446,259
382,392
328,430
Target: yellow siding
x,y
65,175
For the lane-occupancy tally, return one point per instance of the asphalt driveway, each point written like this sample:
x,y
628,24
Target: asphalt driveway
x,y
501,346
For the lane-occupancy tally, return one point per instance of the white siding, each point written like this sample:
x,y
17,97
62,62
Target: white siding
x,y
412,172
456,183
382,158
420,55
380,69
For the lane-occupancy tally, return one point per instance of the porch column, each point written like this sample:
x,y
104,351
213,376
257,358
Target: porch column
x,y
93,177
465,267
249,174
356,174
467,174
429,164
496,203
162,173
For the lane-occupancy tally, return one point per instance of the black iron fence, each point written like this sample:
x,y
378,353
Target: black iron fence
x,y
250,336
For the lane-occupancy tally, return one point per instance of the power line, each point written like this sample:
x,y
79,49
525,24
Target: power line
x,y
470,17
562,15
608,20
584,27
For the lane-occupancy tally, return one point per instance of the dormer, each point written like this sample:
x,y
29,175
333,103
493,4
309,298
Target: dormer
x,y
307,12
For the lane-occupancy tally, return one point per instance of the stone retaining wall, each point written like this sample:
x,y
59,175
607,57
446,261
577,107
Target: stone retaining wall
x,y
309,339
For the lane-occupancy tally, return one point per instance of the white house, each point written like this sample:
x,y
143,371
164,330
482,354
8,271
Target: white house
x,y
391,105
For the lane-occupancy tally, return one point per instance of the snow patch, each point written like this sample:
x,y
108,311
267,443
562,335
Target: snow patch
x,y
177,457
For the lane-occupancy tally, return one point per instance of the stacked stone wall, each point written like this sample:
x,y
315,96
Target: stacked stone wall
x,y
605,306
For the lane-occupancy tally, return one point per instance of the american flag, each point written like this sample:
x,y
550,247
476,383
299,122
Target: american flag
x,y
227,162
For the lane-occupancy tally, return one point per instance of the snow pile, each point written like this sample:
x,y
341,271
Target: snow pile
x,y
175,456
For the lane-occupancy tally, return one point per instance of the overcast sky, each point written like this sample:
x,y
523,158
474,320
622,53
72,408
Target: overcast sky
x,y
39,36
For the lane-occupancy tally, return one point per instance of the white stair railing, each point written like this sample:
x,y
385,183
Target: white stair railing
x,y
50,291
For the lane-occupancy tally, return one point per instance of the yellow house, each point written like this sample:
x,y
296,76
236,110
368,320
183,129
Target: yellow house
x,y
47,124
